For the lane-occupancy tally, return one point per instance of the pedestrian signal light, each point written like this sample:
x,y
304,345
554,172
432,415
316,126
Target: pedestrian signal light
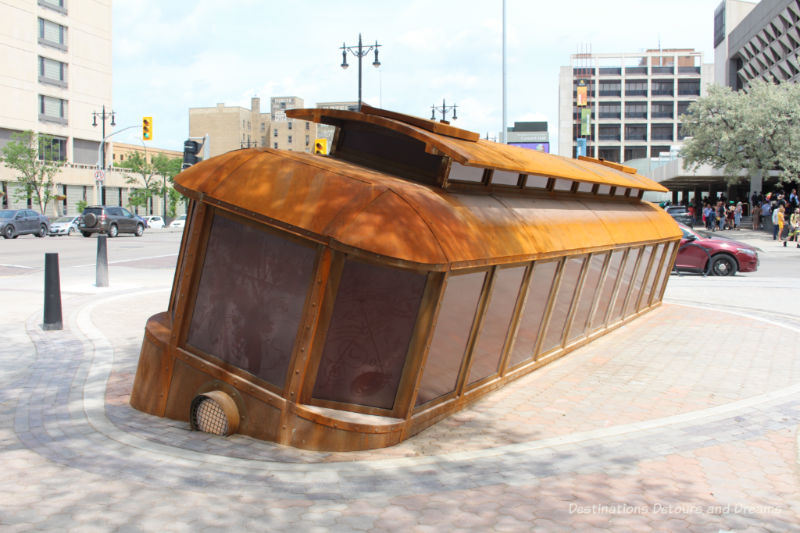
x,y
147,128
321,146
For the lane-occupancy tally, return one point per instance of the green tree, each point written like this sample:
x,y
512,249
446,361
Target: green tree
x,y
31,156
167,168
144,179
755,131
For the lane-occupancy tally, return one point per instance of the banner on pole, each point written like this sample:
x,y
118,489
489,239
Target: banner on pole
x,y
586,116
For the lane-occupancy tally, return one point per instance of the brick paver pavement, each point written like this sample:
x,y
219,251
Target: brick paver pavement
x,y
685,420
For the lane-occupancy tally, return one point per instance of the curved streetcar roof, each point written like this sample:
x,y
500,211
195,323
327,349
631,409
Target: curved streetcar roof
x,y
359,210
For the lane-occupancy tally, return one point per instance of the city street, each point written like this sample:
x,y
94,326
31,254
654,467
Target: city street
x,y
684,420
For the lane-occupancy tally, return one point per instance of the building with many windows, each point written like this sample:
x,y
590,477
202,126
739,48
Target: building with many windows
x,y
55,67
757,41
632,102
230,127
233,127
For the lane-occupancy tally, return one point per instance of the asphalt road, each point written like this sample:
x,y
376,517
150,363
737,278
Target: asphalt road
x,y
26,253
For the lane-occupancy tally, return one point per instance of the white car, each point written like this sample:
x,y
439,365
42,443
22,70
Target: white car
x,y
154,221
178,223
64,226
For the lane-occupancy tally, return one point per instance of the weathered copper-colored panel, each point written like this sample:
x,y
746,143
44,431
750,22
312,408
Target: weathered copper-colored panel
x,y
607,291
563,302
535,305
450,336
322,197
494,329
591,282
367,340
250,298
484,153
155,364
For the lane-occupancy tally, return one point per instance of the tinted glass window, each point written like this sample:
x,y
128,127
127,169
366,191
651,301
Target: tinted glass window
x,y
607,290
647,288
663,274
494,329
638,280
563,303
453,326
590,284
624,284
250,298
533,311
367,340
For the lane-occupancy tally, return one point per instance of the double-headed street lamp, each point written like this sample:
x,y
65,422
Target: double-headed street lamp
x,y
101,160
360,51
103,116
443,109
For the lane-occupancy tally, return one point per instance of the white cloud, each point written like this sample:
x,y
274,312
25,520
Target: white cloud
x,y
169,56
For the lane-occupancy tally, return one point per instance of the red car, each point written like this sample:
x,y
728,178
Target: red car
x,y
721,257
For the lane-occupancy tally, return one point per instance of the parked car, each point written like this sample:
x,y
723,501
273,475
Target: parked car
x,y
179,222
154,221
64,226
16,222
681,214
110,220
720,257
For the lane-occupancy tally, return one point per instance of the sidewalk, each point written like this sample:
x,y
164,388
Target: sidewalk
x,y
685,420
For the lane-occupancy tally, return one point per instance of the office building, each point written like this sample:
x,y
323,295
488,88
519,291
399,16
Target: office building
x,y
627,106
233,127
757,41
55,71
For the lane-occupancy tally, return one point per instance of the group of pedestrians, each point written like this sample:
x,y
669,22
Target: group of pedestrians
x,y
721,217
783,211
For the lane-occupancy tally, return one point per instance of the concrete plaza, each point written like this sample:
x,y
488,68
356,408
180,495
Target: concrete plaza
x,y
685,420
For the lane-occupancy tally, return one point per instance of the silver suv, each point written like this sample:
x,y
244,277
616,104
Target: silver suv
x,y
109,220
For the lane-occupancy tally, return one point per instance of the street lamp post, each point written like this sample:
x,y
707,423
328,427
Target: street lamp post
x,y
443,109
359,51
102,159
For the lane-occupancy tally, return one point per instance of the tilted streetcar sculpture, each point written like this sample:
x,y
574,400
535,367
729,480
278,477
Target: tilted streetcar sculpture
x,y
349,301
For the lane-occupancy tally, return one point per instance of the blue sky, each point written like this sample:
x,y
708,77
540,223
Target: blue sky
x,y
169,56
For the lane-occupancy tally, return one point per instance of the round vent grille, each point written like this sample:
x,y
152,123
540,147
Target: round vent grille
x,y
214,412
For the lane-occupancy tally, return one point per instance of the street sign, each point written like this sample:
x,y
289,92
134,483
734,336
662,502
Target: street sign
x,y
99,175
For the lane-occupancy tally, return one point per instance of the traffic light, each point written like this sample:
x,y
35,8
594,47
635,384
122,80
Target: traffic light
x,y
321,146
147,129
190,150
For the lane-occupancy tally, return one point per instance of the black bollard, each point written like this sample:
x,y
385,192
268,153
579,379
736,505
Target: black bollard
x,y
102,262
52,293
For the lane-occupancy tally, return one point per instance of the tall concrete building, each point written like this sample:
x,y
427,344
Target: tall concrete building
x,y
288,133
633,102
233,127
757,41
230,127
55,71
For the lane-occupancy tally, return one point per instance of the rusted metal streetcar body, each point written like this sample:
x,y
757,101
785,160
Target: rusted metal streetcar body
x,y
349,301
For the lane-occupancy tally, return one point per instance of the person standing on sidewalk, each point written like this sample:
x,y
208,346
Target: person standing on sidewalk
x,y
737,216
778,218
776,214
766,210
756,212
